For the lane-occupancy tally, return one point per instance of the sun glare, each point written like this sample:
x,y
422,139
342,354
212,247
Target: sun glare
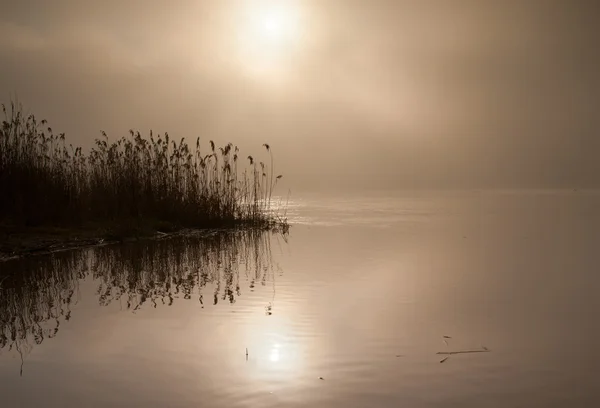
x,y
268,33
274,354
275,25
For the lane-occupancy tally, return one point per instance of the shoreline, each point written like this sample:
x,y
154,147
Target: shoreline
x,y
18,243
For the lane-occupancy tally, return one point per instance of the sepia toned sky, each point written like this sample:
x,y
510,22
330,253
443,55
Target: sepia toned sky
x,y
407,94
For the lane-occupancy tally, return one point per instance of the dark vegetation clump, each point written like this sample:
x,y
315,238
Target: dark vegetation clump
x,y
131,183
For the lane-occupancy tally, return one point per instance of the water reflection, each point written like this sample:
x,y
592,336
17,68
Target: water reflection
x,y
352,299
38,293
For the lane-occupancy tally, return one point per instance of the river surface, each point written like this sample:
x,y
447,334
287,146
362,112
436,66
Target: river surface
x,y
350,309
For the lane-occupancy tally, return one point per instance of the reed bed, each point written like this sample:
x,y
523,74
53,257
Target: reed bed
x,y
133,181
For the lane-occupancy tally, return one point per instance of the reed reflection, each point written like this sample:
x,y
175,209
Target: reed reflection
x,y
38,293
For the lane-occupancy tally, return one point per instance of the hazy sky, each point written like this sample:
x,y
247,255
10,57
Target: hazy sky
x,y
446,93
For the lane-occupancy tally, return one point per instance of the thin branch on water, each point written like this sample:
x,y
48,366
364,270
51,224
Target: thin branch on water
x,y
463,352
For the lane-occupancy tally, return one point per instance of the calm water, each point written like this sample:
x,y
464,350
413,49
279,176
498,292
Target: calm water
x,y
349,310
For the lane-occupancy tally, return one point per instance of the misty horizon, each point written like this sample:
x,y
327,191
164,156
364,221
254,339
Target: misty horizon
x,y
407,95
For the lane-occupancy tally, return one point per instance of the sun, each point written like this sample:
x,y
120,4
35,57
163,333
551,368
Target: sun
x,y
269,33
275,25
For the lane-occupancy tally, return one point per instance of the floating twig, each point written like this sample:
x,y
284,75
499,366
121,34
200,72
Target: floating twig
x,y
486,350
444,359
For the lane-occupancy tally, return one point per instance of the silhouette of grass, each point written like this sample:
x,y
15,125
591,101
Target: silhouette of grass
x,y
132,185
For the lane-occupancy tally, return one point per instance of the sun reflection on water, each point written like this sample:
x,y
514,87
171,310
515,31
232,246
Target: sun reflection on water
x,y
274,356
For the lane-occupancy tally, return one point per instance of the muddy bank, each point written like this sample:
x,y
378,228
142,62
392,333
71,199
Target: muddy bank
x,y
22,242
18,242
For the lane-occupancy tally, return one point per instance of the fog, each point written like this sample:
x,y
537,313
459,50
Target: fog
x,y
406,94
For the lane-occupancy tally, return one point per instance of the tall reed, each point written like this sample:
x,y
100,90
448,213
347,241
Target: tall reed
x,y
46,181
